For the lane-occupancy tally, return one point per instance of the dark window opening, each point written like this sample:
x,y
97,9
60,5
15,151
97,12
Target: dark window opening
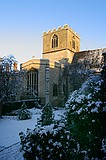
x,y
32,82
55,41
73,44
55,90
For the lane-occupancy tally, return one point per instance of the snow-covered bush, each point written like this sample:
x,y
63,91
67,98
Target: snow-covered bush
x,y
47,115
51,142
83,133
86,117
24,113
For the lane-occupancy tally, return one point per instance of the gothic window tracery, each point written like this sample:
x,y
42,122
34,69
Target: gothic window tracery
x,y
55,41
32,82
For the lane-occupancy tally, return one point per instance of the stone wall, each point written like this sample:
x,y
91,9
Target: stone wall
x,y
48,75
65,47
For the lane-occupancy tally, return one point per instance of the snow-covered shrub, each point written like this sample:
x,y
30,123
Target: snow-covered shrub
x,y
86,117
51,142
47,115
24,113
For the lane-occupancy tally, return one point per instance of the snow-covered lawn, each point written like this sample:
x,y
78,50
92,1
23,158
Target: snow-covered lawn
x,y
10,126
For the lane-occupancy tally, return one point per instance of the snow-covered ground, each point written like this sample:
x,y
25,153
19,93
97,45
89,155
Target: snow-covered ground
x,y
10,127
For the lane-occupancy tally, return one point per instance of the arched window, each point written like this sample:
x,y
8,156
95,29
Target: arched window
x,y
55,90
55,41
32,82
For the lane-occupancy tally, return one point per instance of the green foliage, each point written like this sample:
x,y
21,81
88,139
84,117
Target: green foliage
x,y
83,135
48,143
16,105
47,115
86,119
24,113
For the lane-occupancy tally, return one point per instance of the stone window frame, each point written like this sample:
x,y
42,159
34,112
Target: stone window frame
x,y
32,81
54,41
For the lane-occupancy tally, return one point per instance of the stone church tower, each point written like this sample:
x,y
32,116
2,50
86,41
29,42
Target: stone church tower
x,y
43,75
60,44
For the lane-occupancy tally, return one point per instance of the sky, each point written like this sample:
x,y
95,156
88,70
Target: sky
x,y
22,23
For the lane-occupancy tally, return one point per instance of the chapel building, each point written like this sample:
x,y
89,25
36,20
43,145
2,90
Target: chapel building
x,y
44,75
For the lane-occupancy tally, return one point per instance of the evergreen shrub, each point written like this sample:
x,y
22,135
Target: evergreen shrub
x,y
47,116
51,142
24,113
86,112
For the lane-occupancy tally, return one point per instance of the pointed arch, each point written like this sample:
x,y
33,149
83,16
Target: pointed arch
x,y
55,41
32,81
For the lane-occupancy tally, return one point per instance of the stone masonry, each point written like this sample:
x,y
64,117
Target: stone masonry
x,y
63,67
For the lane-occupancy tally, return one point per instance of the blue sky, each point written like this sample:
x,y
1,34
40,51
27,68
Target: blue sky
x,y
22,23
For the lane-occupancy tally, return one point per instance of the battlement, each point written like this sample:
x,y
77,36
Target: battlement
x,y
66,26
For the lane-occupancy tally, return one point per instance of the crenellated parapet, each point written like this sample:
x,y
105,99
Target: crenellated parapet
x,y
66,27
